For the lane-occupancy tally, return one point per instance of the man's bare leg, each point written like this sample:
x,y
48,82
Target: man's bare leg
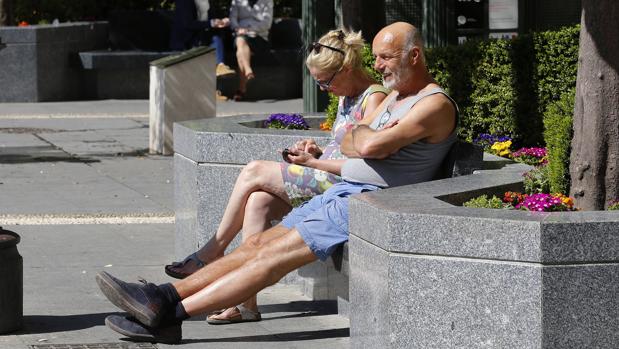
x,y
214,289
260,210
237,258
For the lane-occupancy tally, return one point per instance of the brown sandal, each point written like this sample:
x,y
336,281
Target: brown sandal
x,y
243,315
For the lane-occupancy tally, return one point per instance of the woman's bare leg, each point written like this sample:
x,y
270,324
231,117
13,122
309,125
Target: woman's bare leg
x,y
260,210
243,58
256,176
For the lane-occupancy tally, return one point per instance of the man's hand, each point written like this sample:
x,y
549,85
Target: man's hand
x,y
241,31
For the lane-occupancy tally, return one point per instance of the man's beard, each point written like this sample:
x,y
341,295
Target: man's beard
x,y
402,73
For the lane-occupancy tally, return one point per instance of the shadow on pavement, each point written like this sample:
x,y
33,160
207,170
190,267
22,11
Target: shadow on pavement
x,y
36,324
279,337
325,307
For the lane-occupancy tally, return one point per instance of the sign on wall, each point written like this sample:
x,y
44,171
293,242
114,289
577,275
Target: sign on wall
x,y
502,14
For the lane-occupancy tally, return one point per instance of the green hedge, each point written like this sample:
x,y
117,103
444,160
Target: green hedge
x,y
504,86
558,136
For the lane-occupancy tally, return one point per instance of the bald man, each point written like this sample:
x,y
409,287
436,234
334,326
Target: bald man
x,y
403,142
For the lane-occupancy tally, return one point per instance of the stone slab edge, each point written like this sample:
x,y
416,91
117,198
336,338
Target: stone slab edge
x,y
228,141
412,219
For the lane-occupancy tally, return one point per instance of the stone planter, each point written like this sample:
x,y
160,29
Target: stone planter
x,y
41,63
208,156
431,274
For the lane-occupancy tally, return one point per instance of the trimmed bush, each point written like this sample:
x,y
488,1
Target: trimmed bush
x,y
558,136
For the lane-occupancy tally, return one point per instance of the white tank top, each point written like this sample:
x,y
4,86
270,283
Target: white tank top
x,y
414,163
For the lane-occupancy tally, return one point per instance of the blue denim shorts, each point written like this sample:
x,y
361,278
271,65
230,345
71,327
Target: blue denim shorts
x,y
322,221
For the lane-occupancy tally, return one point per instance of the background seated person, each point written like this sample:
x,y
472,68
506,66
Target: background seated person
x,y
265,190
250,21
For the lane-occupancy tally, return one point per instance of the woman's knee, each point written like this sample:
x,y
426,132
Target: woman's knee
x,y
257,172
240,42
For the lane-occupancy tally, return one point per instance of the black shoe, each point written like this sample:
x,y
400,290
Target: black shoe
x,y
143,301
136,331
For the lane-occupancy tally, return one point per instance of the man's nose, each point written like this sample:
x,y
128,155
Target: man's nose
x,y
378,64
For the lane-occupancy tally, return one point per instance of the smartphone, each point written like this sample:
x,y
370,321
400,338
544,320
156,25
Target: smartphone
x,y
285,154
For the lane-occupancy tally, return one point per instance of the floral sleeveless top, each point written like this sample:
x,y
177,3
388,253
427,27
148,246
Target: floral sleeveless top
x,y
349,112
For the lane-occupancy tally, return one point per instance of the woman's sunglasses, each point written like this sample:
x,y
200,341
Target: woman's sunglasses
x,y
316,47
326,84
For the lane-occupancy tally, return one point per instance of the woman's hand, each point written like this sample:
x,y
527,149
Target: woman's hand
x,y
241,31
300,157
308,146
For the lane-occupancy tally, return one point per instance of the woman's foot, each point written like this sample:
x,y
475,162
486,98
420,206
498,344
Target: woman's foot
x,y
188,266
239,95
249,76
234,315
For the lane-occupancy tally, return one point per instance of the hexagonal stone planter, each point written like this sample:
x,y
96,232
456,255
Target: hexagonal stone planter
x,y
426,273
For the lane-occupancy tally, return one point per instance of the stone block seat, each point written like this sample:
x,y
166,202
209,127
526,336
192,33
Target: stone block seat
x,y
279,71
135,38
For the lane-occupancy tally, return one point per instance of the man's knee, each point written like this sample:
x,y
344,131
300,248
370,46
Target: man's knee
x,y
259,202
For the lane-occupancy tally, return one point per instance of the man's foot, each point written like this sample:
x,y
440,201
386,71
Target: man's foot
x,y
223,70
188,266
143,301
234,315
136,331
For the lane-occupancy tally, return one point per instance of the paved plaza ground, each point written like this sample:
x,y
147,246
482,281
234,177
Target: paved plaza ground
x,y
78,185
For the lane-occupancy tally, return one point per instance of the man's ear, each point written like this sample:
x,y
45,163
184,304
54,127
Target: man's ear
x,y
414,55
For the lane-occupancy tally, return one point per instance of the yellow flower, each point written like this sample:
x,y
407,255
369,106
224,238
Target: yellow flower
x,y
501,148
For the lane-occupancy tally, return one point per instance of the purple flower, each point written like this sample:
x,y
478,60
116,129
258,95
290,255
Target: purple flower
x,y
286,121
486,140
542,203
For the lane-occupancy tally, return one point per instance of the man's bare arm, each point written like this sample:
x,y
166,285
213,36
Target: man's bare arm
x,y
432,119
346,147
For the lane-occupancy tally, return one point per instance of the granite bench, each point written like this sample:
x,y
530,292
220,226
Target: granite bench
x,y
420,270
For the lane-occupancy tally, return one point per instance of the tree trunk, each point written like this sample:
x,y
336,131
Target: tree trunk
x,y
594,162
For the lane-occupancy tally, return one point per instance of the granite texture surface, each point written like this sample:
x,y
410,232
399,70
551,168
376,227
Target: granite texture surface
x,y
449,303
370,301
41,62
581,306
